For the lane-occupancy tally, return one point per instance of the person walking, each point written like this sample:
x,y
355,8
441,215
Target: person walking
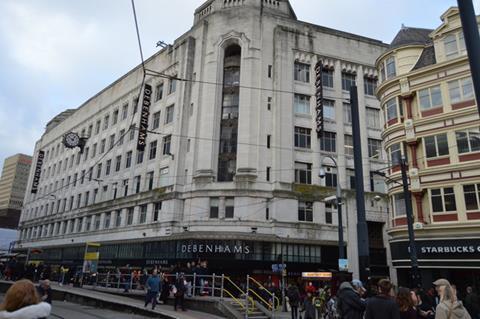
x,y
472,303
153,287
405,304
350,305
449,307
165,291
382,306
179,293
22,302
308,307
293,295
424,309
45,291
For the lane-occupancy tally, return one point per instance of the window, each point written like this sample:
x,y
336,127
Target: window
x,y
268,173
128,161
112,141
303,173
97,222
230,106
88,223
75,178
302,72
94,150
471,194
118,219
351,178
167,140
95,193
229,207
125,187
347,113
436,145
143,214
269,140
302,137
214,201
399,205
120,137
159,92
115,117
443,199
377,183
396,154
460,90
153,150
374,148
140,157
391,109
269,103
330,177
135,105
163,180
156,120
130,216
156,211
97,126
348,79
269,73
115,189
103,142
172,85
87,198
89,131
329,210
373,118
82,180
124,111
430,98
169,114
108,167
118,163
468,141
454,44
328,142
150,180
301,104
99,170
329,110
305,211
137,181
327,77
106,222
369,85
391,70
348,144
106,119
87,149
132,132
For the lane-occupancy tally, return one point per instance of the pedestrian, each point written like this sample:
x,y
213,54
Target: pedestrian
x,y
424,309
405,304
153,288
165,292
180,289
472,303
449,307
350,304
382,306
308,307
22,302
45,291
293,295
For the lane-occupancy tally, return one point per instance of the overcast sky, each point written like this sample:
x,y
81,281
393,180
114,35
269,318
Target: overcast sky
x,y
56,54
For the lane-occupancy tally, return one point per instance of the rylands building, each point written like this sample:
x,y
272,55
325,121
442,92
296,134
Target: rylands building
x,y
230,169
431,118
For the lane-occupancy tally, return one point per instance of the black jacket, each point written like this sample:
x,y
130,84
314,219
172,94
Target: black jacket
x,y
382,307
350,305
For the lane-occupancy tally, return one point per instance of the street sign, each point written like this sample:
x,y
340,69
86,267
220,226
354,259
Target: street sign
x,y
343,264
278,267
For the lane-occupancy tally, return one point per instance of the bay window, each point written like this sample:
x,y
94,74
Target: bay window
x,y
443,199
471,195
468,141
460,90
436,145
430,97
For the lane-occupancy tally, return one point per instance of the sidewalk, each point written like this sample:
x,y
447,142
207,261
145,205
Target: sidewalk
x,y
166,311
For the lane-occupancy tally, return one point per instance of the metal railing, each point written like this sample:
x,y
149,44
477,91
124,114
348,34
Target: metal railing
x,y
272,304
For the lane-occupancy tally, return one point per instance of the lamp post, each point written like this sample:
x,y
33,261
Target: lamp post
x,y
338,197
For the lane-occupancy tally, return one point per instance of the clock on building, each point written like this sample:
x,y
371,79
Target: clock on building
x,y
71,140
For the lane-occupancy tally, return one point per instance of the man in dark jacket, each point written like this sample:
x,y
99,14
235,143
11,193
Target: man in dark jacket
x,y
382,306
44,291
350,305
293,295
181,289
472,303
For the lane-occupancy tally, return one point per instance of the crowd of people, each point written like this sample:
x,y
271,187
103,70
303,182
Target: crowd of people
x,y
383,301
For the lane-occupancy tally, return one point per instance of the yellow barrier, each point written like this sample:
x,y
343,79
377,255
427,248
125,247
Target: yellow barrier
x,y
251,300
269,293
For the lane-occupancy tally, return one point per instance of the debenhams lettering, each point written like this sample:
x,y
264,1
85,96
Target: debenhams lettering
x,y
145,112
216,249
450,249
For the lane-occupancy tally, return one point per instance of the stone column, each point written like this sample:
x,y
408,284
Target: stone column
x,y
113,218
102,221
136,215
55,229
84,224
69,222
124,217
75,225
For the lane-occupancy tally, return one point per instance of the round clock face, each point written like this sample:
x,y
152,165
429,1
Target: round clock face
x,y
71,140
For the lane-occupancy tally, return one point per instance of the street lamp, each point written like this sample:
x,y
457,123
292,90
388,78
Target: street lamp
x,y
338,200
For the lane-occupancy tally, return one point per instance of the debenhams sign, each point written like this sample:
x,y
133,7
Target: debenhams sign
x,y
215,248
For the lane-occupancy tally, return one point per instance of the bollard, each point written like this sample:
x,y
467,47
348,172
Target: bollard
x,y
213,285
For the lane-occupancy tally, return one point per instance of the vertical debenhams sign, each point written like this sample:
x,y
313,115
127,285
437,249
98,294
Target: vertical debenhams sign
x,y
319,98
38,170
145,113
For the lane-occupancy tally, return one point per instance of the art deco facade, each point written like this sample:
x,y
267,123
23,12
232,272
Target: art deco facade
x,y
230,171
432,119
12,188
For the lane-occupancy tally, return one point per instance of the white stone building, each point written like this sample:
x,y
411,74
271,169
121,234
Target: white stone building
x,y
230,172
